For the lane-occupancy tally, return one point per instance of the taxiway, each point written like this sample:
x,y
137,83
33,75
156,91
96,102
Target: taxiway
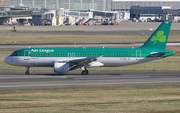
x,y
44,80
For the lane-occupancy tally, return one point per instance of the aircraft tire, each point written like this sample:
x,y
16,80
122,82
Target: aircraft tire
x,y
85,72
27,73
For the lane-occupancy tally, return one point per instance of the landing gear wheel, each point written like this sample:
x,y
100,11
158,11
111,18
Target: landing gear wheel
x,y
85,72
27,73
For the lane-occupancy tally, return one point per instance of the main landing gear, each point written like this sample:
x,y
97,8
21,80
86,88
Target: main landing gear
x,y
85,71
27,71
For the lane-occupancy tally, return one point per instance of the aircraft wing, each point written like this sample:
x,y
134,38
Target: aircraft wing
x,y
155,54
81,62
84,62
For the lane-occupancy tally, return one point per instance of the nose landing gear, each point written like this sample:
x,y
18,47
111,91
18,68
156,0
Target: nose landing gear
x,y
27,71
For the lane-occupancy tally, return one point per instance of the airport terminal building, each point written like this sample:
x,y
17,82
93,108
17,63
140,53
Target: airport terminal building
x,y
78,10
96,5
125,5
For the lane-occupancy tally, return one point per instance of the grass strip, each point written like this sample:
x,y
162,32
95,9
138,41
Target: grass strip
x,y
129,99
76,38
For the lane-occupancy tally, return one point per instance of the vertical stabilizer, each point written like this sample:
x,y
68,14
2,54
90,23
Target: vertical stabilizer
x,y
159,38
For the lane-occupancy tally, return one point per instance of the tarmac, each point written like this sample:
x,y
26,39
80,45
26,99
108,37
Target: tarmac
x,y
43,80
123,26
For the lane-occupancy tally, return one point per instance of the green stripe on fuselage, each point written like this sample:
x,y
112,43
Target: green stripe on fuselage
x,y
88,52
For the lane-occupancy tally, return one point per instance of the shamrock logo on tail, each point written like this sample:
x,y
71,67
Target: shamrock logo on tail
x,y
159,36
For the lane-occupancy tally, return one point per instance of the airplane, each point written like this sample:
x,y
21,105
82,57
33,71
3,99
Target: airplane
x,y
68,59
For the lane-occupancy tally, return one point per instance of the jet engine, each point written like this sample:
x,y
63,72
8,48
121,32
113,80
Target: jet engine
x,y
61,67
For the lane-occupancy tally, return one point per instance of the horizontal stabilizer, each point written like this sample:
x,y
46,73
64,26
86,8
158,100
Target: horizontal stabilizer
x,y
155,54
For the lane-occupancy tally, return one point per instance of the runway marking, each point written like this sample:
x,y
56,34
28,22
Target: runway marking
x,y
94,78
93,84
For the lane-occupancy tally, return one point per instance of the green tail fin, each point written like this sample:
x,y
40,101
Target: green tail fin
x,y
159,38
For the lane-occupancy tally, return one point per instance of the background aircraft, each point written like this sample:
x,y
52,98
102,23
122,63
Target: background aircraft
x,y
68,59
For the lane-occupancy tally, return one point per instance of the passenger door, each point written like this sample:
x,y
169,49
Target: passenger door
x,y
138,54
26,54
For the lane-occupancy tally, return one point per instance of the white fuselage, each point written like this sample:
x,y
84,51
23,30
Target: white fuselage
x,y
49,61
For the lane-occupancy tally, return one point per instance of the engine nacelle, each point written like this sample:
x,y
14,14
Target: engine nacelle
x,y
61,67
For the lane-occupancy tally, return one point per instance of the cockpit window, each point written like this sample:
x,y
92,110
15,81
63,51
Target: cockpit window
x,y
14,54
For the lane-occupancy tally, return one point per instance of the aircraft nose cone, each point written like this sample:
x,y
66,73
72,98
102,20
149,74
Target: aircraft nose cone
x,y
7,60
